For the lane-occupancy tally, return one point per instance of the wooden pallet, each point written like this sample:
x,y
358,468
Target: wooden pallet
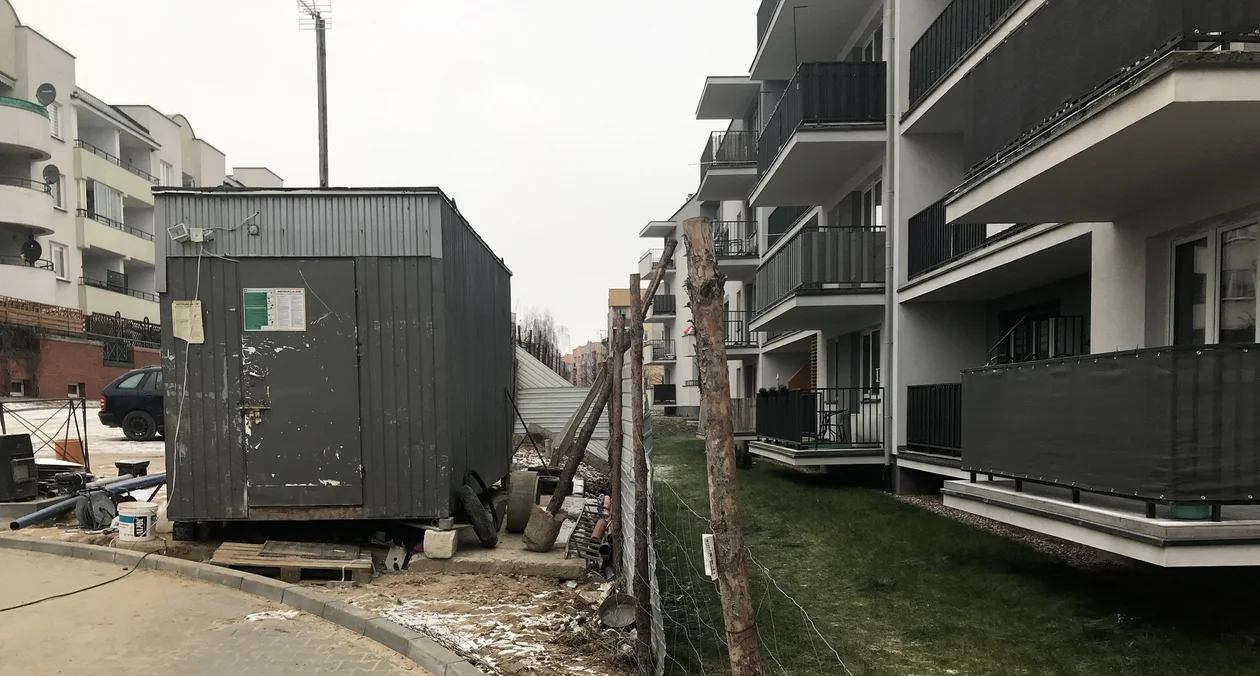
x,y
250,558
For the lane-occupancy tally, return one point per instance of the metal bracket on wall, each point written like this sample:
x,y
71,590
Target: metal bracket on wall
x,y
253,411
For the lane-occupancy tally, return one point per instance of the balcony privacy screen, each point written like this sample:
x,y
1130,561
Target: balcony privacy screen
x,y
1160,424
1071,48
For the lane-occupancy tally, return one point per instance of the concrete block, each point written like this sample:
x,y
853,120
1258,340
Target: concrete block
x,y
306,600
462,668
220,575
440,544
346,615
103,554
431,655
390,634
126,558
171,564
52,547
16,543
264,587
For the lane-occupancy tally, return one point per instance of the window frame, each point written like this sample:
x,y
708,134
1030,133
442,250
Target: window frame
x,y
139,378
55,248
58,190
56,124
1212,234
870,375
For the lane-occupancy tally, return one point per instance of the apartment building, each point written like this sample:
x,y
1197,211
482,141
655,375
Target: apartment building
x,y
1006,250
77,225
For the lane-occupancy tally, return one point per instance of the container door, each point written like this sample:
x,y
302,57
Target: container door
x,y
300,383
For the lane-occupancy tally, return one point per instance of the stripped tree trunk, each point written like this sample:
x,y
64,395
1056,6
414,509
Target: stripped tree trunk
x,y
705,287
614,440
642,529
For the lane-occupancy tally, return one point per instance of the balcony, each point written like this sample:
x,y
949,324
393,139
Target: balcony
x,y
934,419
823,278
781,220
934,243
814,31
36,283
662,351
727,98
650,260
1117,114
1151,454
664,308
27,204
728,166
24,129
828,126
743,418
735,245
821,426
99,165
104,297
740,339
665,394
98,232
655,229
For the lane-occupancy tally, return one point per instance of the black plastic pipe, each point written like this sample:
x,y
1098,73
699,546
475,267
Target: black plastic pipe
x,y
68,504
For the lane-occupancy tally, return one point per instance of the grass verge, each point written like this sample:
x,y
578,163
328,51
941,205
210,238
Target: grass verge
x,y
847,574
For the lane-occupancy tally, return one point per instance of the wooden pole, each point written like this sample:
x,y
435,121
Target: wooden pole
x,y
571,463
615,363
706,289
642,529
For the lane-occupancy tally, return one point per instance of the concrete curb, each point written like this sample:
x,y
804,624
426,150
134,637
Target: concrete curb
x,y
414,646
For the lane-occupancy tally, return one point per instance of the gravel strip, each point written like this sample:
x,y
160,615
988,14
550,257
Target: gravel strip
x,y
1077,556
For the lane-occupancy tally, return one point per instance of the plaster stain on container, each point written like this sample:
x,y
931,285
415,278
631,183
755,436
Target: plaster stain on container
x,y
330,482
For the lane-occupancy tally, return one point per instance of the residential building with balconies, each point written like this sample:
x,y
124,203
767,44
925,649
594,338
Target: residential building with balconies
x,y
1006,250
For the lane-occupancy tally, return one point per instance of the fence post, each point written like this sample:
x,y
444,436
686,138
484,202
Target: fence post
x,y
614,440
705,288
642,587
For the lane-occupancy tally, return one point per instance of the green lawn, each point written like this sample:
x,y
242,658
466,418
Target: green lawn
x,y
897,591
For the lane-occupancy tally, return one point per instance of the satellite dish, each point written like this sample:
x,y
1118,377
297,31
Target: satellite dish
x,y
52,175
31,251
46,94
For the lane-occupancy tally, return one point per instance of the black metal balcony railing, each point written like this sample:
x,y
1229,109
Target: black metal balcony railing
x,y
765,14
735,239
727,150
116,353
963,25
819,259
118,288
20,182
663,349
1042,338
831,92
781,220
818,417
666,393
114,224
691,383
664,305
132,332
935,243
934,419
1106,49
735,325
21,262
655,256
116,161
1159,425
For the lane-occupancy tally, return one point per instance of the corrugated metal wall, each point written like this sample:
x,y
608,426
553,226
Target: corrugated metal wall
x,y
475,308
205,459
532,373
551,407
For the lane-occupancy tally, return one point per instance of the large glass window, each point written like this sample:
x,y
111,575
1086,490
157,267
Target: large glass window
x,y
1237,310
1191,262
1214,287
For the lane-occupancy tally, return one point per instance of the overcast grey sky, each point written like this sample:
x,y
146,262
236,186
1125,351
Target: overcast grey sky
x,y
561,127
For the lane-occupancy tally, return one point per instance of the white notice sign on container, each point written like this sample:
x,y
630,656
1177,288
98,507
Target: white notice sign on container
x,y
274,309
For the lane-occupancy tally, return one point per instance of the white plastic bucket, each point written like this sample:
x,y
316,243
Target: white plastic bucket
x,y
137,521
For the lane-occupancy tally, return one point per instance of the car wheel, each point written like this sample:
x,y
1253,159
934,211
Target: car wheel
x,y
482,519
139,426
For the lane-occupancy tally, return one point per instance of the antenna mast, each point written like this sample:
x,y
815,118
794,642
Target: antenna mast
x,y
314,15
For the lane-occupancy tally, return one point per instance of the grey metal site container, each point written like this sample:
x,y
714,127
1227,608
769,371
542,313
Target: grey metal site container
x,y
356,357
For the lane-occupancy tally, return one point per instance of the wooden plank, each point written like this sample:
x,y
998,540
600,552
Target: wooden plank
x,y
309,550
244,555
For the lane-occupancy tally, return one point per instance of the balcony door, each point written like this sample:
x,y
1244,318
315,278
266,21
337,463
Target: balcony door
x,y
1214,286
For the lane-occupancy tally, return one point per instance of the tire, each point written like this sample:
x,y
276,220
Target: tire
x,y
139,426
521,500
481,519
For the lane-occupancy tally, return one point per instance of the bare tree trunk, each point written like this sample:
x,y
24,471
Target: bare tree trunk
x,y
565,483
642,529
614,440
705,287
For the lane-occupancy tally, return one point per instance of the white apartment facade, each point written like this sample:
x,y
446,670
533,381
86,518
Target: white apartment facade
x,y
1007,250
95,224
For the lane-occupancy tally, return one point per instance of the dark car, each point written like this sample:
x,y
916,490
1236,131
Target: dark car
x,y
134,403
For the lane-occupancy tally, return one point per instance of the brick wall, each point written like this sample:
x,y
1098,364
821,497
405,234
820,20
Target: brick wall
x,y
63,361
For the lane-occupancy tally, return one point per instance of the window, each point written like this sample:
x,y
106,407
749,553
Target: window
x,y
59,256
104,201
17,388
132,381
54,120
873,205
873,49
168,174
1214,287
870,358
74,390
59,192
154,383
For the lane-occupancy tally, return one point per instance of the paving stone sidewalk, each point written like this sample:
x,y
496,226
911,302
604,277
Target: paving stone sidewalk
x,y
154,622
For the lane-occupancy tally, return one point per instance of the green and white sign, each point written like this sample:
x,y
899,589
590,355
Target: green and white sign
x,y
274,309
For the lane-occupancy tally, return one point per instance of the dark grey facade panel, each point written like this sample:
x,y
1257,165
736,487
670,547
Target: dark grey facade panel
x,y
478,351
204,456
1162,424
